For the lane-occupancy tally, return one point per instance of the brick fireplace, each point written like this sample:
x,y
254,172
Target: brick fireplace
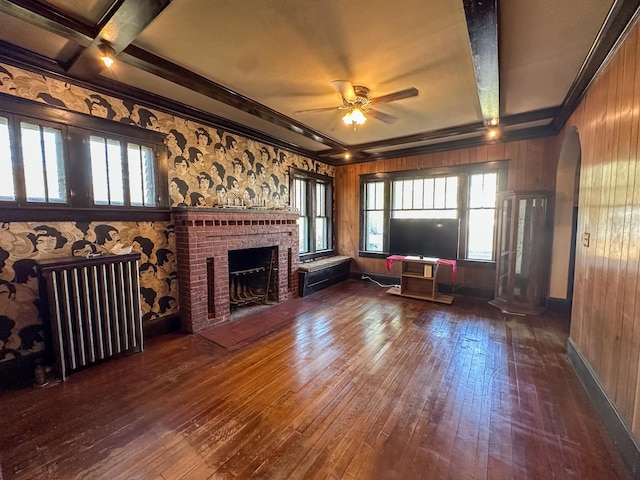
x,y
204,238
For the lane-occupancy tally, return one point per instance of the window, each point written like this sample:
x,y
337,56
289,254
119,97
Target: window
x,y
38,163
312,196
83,163
7,190
322,217
43,163
481,215
467,193
112,165
300,203
374,213
425,198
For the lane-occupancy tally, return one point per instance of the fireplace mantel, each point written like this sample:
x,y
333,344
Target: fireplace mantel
x,y
204,238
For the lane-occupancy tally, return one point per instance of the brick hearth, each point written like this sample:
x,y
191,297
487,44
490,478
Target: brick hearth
x,y
204,238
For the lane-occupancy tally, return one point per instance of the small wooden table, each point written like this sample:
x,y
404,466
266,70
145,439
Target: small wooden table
x,y
419,280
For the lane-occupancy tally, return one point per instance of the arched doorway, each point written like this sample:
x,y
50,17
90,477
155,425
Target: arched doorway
x,y
565,221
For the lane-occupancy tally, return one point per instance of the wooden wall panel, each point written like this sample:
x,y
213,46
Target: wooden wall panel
x,y
605,322
528,161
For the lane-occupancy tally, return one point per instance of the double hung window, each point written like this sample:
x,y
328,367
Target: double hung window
x,y
312,196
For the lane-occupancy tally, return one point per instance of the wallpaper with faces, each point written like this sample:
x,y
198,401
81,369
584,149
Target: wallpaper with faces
x,y
207,166
23,243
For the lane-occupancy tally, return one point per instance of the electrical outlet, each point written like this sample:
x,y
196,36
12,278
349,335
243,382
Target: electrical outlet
x,y
585,239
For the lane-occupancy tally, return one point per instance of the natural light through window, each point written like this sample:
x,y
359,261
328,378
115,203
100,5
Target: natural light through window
x,y
7,191
482,205
463,194
43,163
106,171
425,198
299,200
322,221
76,162
141,175
374,216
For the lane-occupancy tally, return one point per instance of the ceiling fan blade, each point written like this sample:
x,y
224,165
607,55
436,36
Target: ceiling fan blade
x,y
345,87
384,117
325,109
392,97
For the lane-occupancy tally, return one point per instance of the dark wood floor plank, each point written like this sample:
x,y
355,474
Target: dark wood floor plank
x,y
358,384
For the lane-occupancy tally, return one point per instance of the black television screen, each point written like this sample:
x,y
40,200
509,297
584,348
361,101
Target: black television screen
x,y
429,237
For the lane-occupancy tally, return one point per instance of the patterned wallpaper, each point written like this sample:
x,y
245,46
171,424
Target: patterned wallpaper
x,y
207,166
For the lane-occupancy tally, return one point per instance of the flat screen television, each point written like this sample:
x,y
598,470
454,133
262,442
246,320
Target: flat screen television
x,y
429,237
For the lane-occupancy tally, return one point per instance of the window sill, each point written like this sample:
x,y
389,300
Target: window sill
x,y
309,257
55,213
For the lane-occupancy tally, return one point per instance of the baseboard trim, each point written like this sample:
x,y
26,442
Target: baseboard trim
x,y
162,325
19,372
558,305
616,426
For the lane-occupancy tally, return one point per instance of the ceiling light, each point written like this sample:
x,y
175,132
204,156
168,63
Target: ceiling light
x,y
106,54
354,117
493,133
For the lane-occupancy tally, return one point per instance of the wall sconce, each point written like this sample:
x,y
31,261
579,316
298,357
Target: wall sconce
x,y
107,54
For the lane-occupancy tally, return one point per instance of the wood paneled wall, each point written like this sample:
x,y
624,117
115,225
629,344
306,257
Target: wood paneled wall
x,y
532,166
605,322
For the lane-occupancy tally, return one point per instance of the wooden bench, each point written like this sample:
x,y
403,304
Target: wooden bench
x,y
318,274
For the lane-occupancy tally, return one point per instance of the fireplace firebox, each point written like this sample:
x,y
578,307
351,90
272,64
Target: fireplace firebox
x,y
252,277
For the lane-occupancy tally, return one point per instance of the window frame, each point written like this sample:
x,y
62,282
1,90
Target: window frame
x,y
76,129
19,181
311,179
463,172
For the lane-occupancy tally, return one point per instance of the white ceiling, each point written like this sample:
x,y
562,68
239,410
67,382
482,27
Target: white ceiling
x,y
284,55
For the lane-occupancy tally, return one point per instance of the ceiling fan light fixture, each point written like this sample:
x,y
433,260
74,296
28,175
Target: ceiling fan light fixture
x,y
107,54
354,117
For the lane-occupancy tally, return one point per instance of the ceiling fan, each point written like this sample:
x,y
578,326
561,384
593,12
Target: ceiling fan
x,y
356,101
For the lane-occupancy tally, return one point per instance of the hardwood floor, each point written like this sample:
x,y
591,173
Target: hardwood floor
x,y
360,384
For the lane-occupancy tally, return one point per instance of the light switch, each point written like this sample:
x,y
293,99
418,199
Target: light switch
x,y
585,239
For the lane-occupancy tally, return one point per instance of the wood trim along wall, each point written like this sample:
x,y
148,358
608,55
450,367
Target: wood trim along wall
x,y
24,59
482,23
615,425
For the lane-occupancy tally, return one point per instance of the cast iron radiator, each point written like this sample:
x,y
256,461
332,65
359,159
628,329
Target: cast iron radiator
x,y
90,308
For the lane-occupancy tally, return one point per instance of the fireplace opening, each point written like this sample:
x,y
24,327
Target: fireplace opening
x,y
253,277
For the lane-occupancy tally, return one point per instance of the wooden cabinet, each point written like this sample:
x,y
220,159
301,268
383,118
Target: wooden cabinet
x,y
522,263
418,279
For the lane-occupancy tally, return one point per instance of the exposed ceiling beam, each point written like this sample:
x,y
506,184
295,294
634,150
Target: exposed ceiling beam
x,y
527,117
49,19
482,18
456,144
482,25
172,72
119,29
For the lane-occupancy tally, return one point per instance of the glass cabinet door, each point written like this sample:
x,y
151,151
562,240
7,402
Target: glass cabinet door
x,y
520,266
504,250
